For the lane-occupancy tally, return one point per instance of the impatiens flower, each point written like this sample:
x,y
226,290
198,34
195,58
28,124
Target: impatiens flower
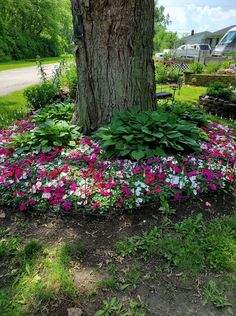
x,y
73,187
96,205
213,187
67,205
46,195
22,207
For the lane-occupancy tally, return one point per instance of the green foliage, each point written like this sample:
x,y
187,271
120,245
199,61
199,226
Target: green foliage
x,y
188,112
56,112
192,246
31,27
32,248
73,249
212,68
219,90
12,107
64,78
47,135
139,135
215,295
196,68
69,79
40,95
162,38
143,244
114,307
41,277
8,247
164,73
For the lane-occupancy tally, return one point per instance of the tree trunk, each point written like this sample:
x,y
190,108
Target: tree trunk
x,y
114,58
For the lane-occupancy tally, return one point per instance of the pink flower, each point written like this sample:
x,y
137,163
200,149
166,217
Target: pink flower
x,y
22,207
96,205
213,187
67,205
73,187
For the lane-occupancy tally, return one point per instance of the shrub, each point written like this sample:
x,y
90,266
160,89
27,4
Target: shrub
x,y
56,112
69,79
166,73
46,136
161,73
196,68
219,90
210,69
146,134
41,94
186,111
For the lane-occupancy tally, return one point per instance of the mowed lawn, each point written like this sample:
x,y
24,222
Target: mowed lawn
x,y
189,94
28,63
12,107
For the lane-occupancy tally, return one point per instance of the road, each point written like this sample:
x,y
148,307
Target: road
x,y
21,78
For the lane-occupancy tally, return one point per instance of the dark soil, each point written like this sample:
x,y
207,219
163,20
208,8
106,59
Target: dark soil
x,y
164,293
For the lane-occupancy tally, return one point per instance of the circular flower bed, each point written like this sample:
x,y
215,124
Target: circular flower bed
x,y
79,179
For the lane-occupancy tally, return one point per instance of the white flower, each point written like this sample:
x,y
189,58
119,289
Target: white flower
x,y
46,195
38,184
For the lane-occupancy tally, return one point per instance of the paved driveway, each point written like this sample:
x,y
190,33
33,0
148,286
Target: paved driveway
x,y
20,78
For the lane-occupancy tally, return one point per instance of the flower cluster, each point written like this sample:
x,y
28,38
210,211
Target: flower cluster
x,y
79,179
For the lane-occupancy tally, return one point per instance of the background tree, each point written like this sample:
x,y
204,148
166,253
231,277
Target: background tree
x,y
163,38
34,27
114,58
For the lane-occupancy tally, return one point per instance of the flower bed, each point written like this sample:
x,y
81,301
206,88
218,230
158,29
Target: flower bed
x,y
79,179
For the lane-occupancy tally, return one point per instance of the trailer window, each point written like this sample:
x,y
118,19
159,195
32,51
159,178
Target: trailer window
x,y
228,38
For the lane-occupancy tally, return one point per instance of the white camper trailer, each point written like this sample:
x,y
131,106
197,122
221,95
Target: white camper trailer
x,y
227,44
193,51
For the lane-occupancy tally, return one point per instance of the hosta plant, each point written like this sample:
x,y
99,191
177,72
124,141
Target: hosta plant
x,y
134,134
46,136
57,112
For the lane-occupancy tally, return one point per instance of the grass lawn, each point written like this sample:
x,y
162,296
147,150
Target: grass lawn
x,y
189,94
27,63
12,107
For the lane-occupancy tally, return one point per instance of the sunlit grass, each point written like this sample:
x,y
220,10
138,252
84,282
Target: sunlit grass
x,y
13,106
42,276
27,63
189,94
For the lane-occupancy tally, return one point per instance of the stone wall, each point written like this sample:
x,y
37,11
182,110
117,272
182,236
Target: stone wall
x,y
204,79
218,106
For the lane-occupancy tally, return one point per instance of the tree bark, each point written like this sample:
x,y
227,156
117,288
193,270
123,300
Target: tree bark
x,y
114,58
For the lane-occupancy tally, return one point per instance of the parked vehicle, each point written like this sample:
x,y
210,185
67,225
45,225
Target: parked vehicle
x,y
193,51
159,56
227,44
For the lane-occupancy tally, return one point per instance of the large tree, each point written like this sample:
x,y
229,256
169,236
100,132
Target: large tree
x,y
114,58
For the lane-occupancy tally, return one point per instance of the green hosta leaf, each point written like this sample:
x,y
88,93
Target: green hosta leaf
x,y
138,154
125,152
158,134
159,152
46,149
72,143
128,138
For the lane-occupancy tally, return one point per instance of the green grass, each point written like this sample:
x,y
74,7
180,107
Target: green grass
x,y
192,245
13,106
189,94
41,274
27,63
